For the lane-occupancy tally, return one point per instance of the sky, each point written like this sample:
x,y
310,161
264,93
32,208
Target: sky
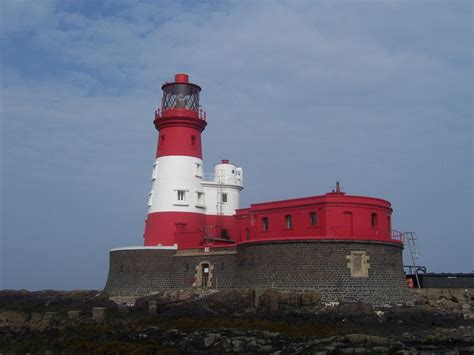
x,y
301,94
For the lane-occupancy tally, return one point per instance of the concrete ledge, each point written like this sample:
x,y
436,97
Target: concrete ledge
x,y
158,247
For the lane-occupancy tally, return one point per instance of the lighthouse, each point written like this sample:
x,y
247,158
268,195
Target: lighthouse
x,y
183,208
196,234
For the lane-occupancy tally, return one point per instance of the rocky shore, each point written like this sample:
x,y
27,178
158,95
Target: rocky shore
x,y
236,321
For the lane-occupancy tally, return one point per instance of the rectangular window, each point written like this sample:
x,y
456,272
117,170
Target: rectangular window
x,y
199,199
193,141
150,198
198,172
373,219
224,234
181,195
265,224
155,168
162,140
288,221
313,219
224,197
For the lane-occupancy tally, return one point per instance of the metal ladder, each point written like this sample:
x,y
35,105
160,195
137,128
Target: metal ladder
x,y
220,203
414,249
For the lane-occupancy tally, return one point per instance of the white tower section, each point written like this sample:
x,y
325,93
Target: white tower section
x,y
223,190
176,185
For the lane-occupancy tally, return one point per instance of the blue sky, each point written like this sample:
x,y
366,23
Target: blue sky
x,y
376,94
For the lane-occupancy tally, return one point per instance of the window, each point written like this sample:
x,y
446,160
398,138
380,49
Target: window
x,y
224,197
313,219
150,198
182,197
198,172
265,224
154,173
199,198
162,140
193,141
288,221
373,219
224,234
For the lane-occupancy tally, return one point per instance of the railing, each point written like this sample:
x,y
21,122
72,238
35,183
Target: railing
x,y
367,232
225,180
201,114
398,236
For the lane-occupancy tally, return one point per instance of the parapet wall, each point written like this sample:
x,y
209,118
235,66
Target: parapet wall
x,y
341,270
138,272
346,271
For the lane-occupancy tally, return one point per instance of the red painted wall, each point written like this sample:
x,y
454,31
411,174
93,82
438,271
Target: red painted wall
x,y
338,217
162,227
176,140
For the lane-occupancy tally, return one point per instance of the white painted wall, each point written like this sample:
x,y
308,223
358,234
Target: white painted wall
x,y
173,173
182,173
227,179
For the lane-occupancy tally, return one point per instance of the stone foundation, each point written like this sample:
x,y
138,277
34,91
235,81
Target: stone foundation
x,y
347,271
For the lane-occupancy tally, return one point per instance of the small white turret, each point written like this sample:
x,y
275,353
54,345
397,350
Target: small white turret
x,y
223,189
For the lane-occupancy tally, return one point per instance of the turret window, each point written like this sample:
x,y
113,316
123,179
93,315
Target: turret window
x,y
313,219
288,221
162,140
265,224
193,141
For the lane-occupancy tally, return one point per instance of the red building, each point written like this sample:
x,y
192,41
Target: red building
x,y
188,211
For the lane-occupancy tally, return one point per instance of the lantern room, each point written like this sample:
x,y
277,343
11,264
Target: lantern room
x,y
180,95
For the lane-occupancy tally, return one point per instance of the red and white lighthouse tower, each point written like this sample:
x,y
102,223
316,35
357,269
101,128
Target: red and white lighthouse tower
x,y
176,202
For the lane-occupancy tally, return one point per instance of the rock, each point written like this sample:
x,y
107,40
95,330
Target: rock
x,y
152,307
73,314
355,338
123,308
237,345
271,299
210,339
265,348
336,338
376,340
310,298
50,315
380,350
268,334
98,313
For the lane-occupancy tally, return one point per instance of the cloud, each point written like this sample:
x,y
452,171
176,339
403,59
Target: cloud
x,y
302,93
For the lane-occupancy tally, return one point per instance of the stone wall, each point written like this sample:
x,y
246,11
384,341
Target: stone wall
x,y
346,271
186,269
139,272
341,270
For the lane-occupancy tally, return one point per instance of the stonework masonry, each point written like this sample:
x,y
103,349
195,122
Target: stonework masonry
x,y
322,265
